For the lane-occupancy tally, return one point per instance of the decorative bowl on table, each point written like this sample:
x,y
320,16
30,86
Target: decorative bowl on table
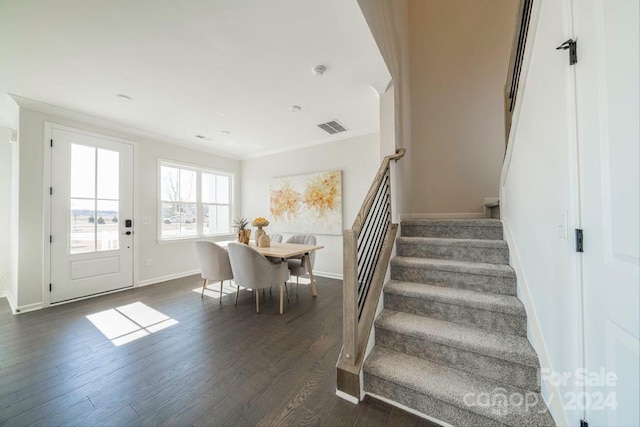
x,y
259,222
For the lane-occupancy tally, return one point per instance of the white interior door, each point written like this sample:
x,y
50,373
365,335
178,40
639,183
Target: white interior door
x,y
608,110
91,215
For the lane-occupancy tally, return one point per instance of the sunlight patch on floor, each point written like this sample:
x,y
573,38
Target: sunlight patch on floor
x,y
127,323
213,289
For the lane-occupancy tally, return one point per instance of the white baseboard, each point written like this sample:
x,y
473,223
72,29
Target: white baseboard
x,y
28,307
471,215
347,397
11,300
155,280
410,410
533,328
327,274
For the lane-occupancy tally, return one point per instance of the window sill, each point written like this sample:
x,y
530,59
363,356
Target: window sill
x,y
211,237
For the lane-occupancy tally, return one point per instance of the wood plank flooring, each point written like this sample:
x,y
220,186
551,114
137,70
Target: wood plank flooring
x,y
219,365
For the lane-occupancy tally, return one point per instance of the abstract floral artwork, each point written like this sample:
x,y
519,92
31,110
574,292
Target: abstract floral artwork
x,y
307,203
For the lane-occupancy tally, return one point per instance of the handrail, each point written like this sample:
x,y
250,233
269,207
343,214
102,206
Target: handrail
x,y
521,29
367,248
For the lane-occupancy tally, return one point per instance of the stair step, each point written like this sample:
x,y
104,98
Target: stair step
x,y
450,395
452,228
472,250
493,312
493,355
477,276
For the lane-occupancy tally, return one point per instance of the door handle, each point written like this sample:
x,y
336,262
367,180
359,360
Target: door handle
x,y
128,233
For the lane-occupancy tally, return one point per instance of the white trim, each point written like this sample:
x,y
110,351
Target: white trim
x,y
112,125
327,274
168,277
46,204
534,333
471,215
409,410
11,300
28,307
347,397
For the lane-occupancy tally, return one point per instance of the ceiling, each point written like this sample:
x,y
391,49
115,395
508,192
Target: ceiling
x,y
199,67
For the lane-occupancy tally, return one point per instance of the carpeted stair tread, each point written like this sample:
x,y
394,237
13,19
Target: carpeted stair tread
x,y
485,301
453,387
512,348
441,241
455,266
463,222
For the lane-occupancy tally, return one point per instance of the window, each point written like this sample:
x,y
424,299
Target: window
x,y
194,201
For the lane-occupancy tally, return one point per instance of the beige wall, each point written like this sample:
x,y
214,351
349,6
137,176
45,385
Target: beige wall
x,y
459,54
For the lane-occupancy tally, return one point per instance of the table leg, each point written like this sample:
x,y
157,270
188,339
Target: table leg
x,y
314,291
282,279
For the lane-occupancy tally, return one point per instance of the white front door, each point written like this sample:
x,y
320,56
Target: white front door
x,y
607,75
91,215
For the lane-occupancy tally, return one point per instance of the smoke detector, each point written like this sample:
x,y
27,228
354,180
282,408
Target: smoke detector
x,y
318,70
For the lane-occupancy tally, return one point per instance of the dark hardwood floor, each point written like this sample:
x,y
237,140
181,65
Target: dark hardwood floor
x,y
219,365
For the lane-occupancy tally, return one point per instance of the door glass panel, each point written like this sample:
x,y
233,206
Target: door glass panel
x,y
107,235
82,228
222,189
83,171
208,188
108,174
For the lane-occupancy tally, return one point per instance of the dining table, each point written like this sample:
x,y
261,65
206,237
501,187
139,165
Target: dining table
x,y
286,251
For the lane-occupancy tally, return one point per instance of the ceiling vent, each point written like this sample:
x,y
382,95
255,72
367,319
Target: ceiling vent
x,y
332,127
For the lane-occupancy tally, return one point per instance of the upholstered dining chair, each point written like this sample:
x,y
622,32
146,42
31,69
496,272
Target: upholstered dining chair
x,y
253,270
275,238
298,266
214,265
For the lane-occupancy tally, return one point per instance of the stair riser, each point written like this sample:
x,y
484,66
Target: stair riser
x,y
516,374
485,319
473,282
457,253
451,231
454,415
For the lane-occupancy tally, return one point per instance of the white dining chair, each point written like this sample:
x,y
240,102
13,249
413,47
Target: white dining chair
x,y
298,265
275,238
214,265
253,270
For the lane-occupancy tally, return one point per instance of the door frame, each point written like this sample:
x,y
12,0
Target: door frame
x,y
46,206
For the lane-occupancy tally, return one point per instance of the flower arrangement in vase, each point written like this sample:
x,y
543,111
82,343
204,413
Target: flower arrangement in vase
x,y
259,222
244,233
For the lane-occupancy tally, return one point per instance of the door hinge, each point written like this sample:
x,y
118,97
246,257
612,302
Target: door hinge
x,y
51,141
50,191
49,287
572,45
50,238
584,423
579,240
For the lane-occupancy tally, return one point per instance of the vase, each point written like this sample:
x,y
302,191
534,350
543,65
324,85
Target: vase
x,y
264,241
247,236
259,233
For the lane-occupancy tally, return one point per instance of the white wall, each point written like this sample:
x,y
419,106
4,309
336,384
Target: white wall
x,y
538,188
5,208
357,157
459,54
168,258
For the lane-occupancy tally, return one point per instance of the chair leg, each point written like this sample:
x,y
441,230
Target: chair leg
x,y
286,290
221,283
257,301
297,285
237,293
204,285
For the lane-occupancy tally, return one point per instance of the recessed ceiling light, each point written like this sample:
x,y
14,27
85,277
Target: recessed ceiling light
x,y
123,97
318,70
225,132
295,108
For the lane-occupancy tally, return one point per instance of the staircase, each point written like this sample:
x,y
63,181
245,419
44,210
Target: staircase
x,y
451,341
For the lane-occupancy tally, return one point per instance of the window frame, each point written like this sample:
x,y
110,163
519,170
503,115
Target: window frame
x,y
199,170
